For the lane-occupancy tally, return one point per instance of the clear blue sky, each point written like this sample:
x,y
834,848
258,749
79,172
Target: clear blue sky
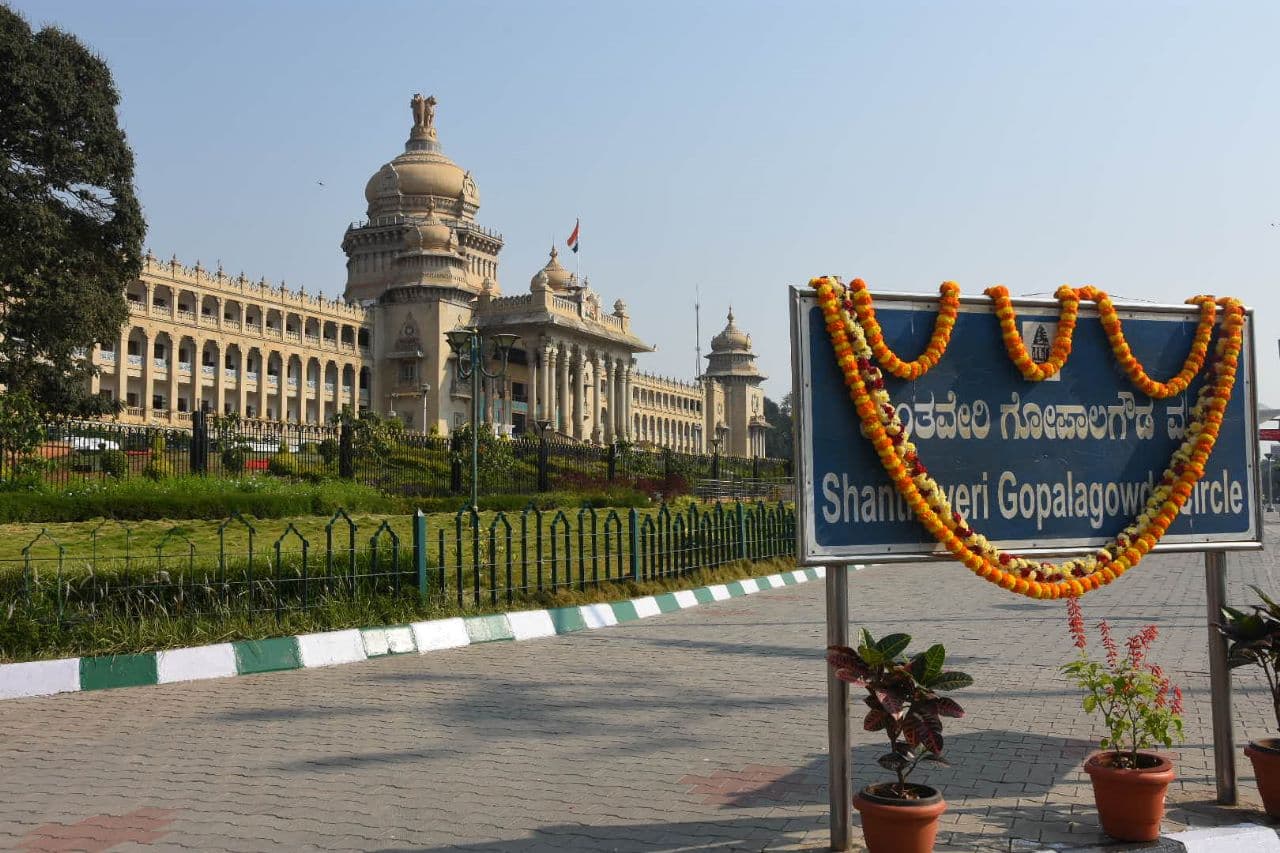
x,y
737,146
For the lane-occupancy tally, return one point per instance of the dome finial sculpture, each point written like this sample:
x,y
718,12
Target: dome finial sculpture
x,y
424,115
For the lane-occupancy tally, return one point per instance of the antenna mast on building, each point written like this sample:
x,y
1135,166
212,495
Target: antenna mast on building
x,y
697,330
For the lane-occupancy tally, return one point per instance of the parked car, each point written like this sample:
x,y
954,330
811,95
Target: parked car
x,y
89,442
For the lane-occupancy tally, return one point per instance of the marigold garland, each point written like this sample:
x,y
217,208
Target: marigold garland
x,y
1069,308
859,300
1069,299
881,426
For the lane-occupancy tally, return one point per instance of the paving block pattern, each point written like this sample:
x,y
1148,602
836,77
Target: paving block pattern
x,y
704,729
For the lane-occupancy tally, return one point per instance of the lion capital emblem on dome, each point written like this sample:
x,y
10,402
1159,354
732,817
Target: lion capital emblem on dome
x,y
424,115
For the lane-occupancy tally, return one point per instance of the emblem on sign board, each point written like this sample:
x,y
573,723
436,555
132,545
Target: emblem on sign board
x,y
1040,337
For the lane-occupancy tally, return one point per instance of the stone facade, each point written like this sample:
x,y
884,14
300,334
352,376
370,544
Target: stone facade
x,y
418,266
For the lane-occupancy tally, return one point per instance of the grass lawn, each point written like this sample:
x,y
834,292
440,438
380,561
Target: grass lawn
x,y
120,587
25,639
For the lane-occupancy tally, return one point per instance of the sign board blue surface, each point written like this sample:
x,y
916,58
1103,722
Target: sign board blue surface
x,y
1059,466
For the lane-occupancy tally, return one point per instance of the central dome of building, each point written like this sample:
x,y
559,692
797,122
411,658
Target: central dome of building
x,y
422,175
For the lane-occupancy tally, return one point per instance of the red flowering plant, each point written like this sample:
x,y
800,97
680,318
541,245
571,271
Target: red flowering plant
x,y
1139,705
902,695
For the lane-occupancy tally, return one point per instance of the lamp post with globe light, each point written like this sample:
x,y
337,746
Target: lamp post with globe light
x,y
721,433
468,345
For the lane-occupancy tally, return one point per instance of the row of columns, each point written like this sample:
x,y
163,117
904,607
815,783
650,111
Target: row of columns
x,y
344,328
219,390
679,435
558,391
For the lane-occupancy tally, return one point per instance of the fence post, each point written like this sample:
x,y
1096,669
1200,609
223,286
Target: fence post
x,y
420,552
199,442
633,536
455,463
346,453
613,461
544,464
755,467
742,532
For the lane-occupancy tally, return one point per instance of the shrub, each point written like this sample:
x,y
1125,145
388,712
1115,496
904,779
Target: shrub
x,y
310,447
193,497
157,443
328,450
114,463
22,475
82,462
283,464
159,468
234,458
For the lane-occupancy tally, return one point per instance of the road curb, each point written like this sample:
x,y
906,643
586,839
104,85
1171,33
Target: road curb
x,y
1237,838
333,648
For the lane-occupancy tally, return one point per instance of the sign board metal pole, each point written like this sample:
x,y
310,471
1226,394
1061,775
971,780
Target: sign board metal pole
x,y
838,711
1224,747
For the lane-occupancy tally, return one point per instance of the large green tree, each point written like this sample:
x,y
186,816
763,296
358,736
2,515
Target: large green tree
x,y
777,442
71,227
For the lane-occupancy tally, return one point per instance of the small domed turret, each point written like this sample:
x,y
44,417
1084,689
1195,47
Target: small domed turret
x,y
732,339
555,276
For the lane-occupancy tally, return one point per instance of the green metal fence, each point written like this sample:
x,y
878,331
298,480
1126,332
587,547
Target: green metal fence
x,y
472,560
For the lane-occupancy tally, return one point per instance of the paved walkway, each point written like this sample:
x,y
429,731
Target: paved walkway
x,y
699,730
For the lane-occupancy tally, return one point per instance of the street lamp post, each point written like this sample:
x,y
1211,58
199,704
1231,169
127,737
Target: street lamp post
x,y
721,430
468,345
1271,483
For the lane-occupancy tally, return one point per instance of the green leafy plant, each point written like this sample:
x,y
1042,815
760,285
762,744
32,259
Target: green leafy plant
x,y
159,468
1139,705
1253,639
328,450
114,463
903,701
283,463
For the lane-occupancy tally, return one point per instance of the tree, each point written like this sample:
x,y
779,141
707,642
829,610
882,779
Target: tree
x,y
777,442
72,227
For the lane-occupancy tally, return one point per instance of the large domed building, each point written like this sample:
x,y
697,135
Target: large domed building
x,y
418,266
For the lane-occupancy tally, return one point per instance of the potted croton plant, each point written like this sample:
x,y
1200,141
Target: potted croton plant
x,y
902,697
1141,709
1253,637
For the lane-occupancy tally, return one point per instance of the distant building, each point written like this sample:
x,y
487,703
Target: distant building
x,y
418,266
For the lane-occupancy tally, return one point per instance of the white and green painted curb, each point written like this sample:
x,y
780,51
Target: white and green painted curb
x,y
1238,838
307,651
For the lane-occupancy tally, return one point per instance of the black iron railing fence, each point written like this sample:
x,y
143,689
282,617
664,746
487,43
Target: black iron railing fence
x,y
375,454
471,560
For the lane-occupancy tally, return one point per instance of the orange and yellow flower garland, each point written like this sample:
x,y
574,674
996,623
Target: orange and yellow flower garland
x,y
859,300
1030,369
1069,299
880,424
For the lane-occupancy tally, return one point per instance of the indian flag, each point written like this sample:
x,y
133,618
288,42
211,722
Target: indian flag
x,y
572,242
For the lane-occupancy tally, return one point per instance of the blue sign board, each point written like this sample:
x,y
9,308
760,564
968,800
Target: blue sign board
x,y
1059,466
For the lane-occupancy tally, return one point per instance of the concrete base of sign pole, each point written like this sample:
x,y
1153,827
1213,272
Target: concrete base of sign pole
x,y
1240,838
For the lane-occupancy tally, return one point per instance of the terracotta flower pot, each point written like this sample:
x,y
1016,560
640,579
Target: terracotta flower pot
x,y
894,825
1130,801
1265,756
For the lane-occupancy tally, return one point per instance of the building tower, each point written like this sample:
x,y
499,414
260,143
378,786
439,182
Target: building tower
x,y
731,365
419,261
